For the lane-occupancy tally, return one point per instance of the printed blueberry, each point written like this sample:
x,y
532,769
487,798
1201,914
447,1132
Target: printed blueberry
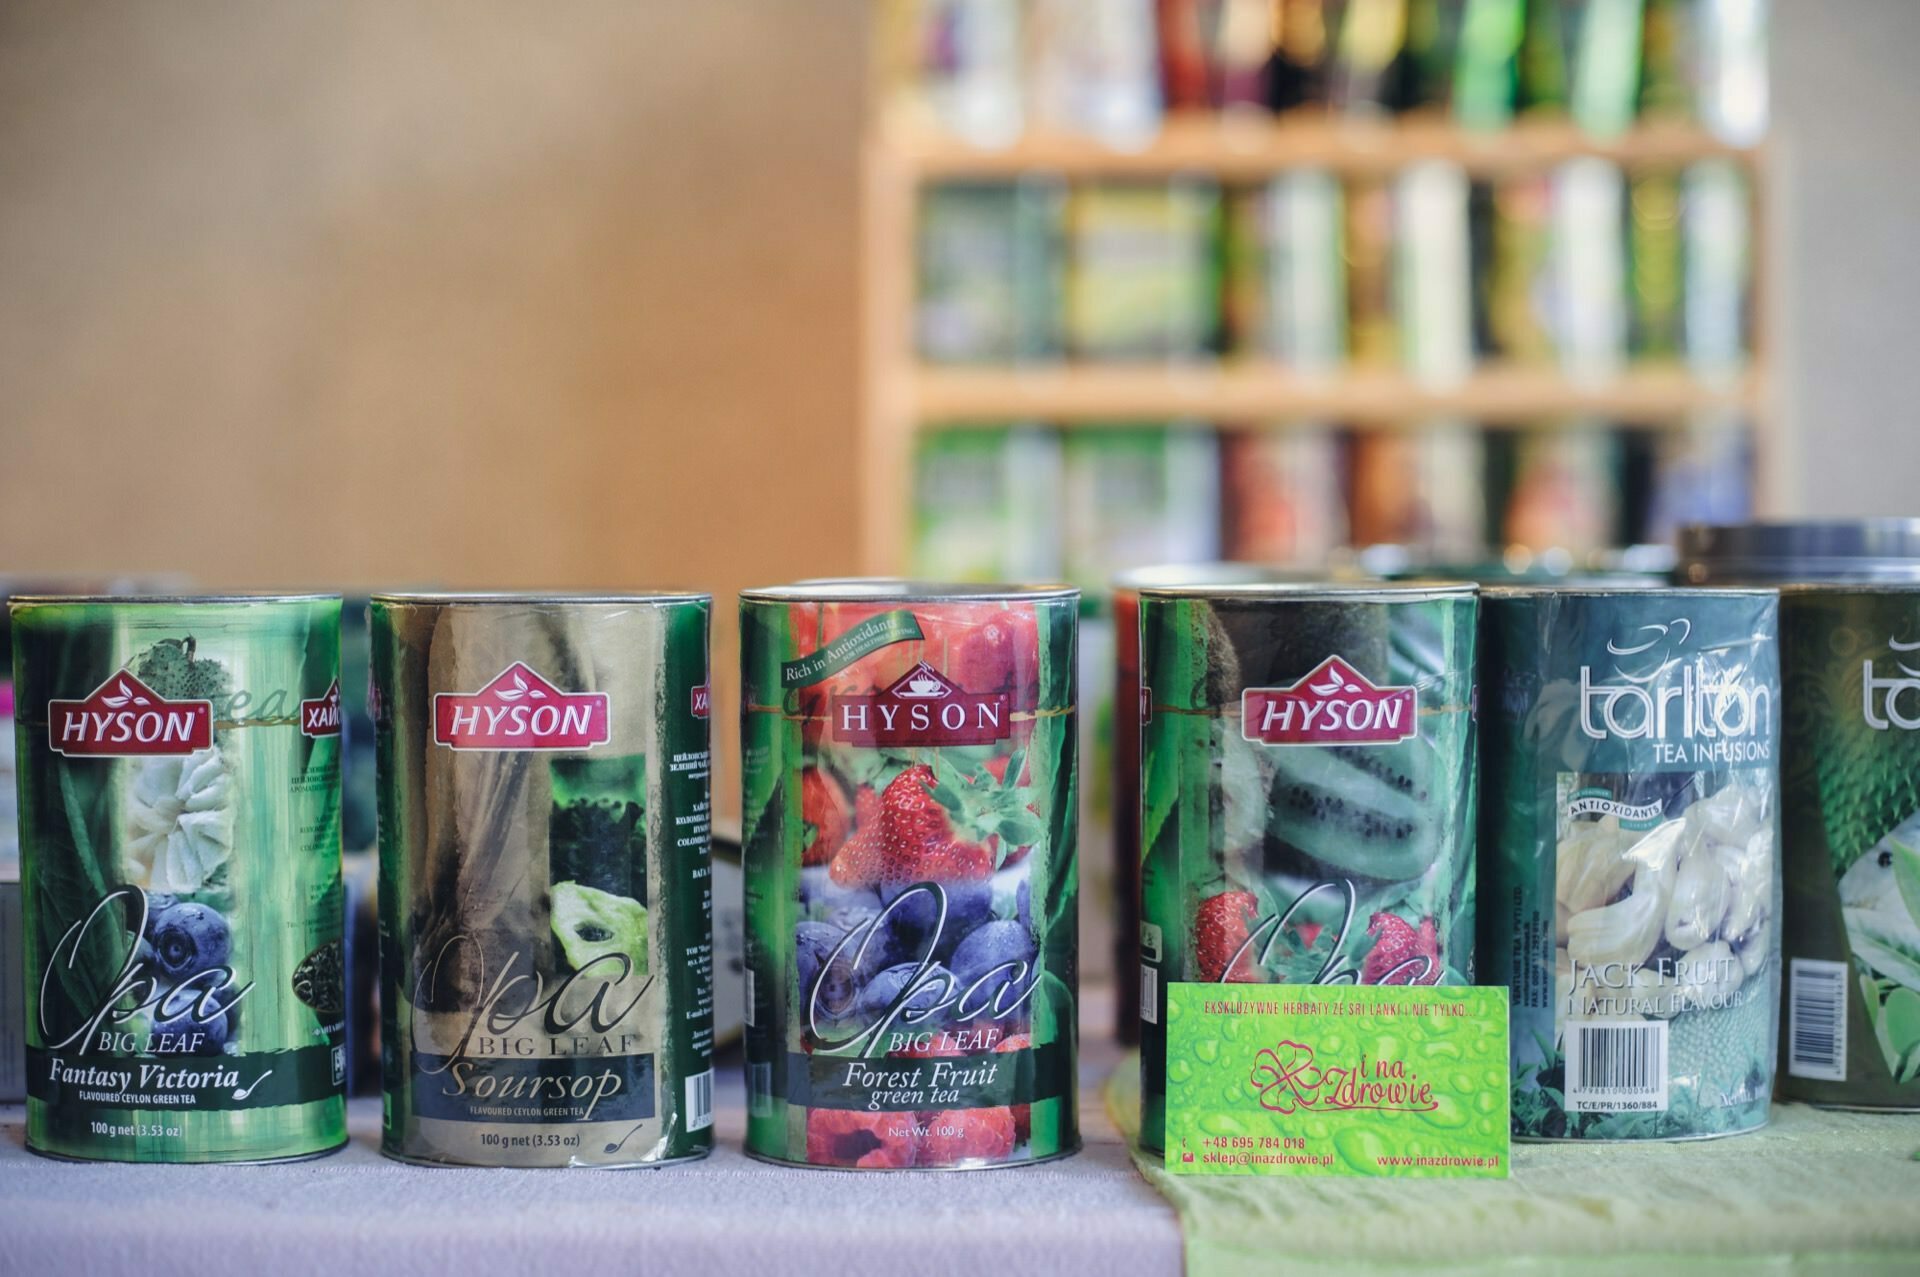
x,y
814,944
991,948
182,1032
915,913
158,904
826,899
189,939
884,989
1024,896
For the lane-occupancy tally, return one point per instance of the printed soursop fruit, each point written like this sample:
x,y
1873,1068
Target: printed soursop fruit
x,y
1724,1053
180,822
170,668
591,924
320,980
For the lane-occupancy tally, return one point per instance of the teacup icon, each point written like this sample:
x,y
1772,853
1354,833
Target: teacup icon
x,y
923,684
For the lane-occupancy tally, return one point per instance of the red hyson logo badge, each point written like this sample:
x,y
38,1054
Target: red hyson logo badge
x,y
124,718
1334,705
520,709
322,717
921,708
702,701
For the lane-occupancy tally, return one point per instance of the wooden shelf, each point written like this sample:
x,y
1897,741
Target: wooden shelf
x,y
1652,395
1260,146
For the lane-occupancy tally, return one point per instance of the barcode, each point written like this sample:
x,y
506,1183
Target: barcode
x,y
752,1021
1617,1067
1817,1020
760,1089
1149,995
700,1101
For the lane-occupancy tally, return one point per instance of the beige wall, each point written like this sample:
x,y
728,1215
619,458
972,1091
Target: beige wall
x,y
479,293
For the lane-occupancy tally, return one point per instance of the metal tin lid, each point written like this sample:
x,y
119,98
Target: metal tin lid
x,y
166,600
1847,549
510,598
1218,573
1316,592
1608,588
856,589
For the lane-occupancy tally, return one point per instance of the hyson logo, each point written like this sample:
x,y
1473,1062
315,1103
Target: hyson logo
x,y
521,710
322,717
1887,692
921,708
1334,705
1647,702
124,718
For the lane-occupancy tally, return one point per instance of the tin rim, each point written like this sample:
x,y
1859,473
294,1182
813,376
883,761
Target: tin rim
x,y
269,1160
166,600
493,598
1607,590
446,1164
863,589
1318,592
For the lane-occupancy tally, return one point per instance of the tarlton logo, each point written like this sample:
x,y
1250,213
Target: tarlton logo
x,y
518,710
921,708
1287,1080
124,718
1880,697
322,717
1656,693
1334,705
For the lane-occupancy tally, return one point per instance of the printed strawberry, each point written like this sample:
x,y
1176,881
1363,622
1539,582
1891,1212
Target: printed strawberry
x,y
1400,954
963,1135
823,806
857,863
845,1137
1022,1113
1220,928
1001,656
937,825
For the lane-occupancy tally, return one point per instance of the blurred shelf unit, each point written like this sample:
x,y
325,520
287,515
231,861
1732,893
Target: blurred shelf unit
x,y
1518,278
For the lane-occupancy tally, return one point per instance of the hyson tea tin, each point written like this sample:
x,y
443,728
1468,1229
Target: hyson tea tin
x,y
1307,785
909,822
545,918
1850,657
179,778
1629,811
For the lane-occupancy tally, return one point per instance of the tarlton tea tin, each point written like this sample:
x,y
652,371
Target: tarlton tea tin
x,y
1850,655
909,760
179,776
1630,802
546,949
1307,785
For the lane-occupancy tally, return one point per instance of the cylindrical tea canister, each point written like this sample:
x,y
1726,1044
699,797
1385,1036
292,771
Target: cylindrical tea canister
x,y
909,760
179,780
545,916
1629,809
1307,786
1850,657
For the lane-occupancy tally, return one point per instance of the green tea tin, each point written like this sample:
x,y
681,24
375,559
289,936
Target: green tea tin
x,y
1851,773
1629,816
545,909
1307,792
909,757
179,784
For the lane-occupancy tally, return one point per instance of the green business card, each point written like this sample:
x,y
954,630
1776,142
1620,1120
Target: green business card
x,y
1297,1079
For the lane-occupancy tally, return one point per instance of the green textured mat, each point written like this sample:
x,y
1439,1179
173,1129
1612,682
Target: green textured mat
x,y
1815,1192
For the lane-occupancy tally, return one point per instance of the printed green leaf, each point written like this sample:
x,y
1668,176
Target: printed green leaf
x,y
1906,873
1893,953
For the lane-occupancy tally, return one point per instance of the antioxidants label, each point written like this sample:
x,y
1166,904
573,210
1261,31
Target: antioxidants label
x,y
922,707
521,710
124,718
1335,704
1395,1081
